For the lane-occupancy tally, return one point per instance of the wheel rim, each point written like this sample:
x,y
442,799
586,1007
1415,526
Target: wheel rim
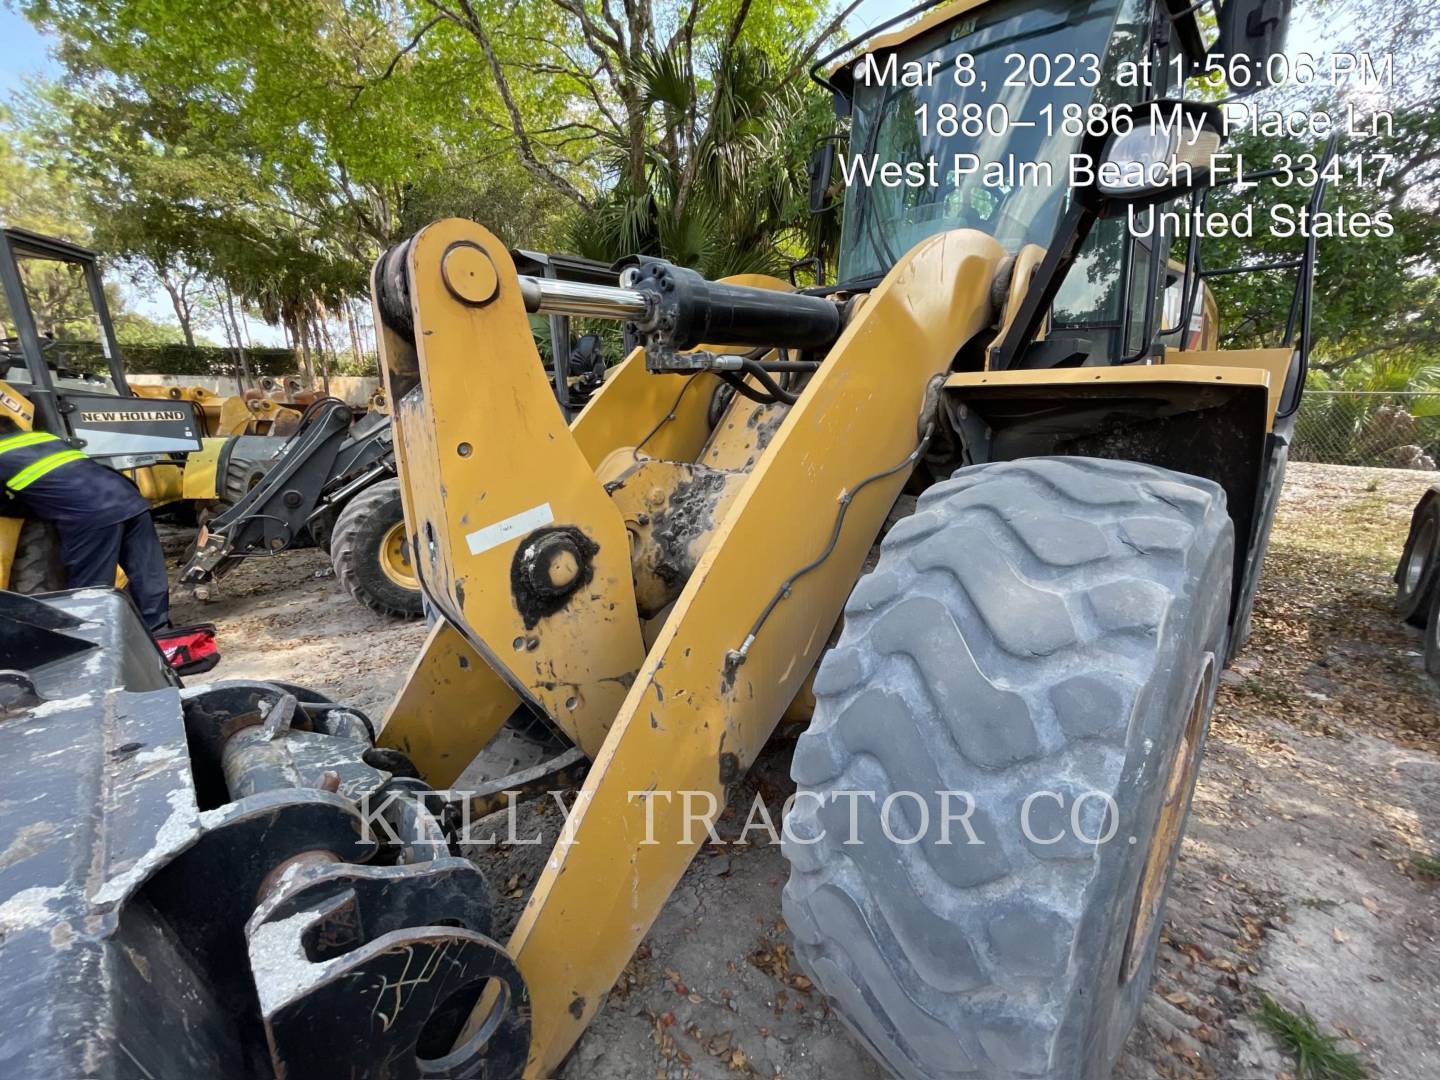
x,y
1419,560
395,557
1168,831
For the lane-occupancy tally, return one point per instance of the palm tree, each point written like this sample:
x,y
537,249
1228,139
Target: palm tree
x,y
728,199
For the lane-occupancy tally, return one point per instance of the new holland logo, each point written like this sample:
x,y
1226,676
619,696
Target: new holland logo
x,y
131,417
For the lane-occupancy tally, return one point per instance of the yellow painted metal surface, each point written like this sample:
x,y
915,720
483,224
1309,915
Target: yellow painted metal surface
x,y
633,404
657,499
451,705
1027,261
234,418
16,407
743,433
1128,373
201,483
483,471
688,723
160,484
1274,362
9,542
253,416
910,31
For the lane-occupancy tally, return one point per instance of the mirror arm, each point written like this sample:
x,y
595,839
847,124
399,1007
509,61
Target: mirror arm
x,y
1049,276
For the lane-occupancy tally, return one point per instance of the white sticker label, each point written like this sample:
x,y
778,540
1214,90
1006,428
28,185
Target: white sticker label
x,y
482,540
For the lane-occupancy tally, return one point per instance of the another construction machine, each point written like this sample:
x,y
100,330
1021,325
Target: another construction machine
x,y
159,440
333,483
980,514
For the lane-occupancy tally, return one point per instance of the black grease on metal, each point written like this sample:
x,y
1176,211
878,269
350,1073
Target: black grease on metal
x,y
533,603
688,513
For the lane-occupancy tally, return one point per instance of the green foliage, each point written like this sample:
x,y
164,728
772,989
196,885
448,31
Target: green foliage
x,y
1426,865
180,359
132,329
1317,1055
734,203
276,153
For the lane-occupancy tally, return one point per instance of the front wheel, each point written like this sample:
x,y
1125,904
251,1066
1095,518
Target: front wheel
x,y
371,554
995,782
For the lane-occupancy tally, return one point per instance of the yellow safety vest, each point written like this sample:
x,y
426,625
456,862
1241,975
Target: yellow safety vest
x,y
39,467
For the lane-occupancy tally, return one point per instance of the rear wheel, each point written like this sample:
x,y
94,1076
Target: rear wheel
x,y
1415,577
37,567
371,553
1038,645
244,472
1432,635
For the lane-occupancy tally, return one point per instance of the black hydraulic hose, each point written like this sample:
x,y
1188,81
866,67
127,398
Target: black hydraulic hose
x,y
753,367
745,390
788,366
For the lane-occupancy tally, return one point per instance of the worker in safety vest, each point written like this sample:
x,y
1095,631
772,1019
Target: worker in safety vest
x,y
101,517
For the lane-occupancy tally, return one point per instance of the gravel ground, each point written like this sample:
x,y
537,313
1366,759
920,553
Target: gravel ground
x,y
1320,786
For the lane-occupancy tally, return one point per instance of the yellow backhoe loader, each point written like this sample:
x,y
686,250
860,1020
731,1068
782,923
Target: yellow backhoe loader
x,y
170,441
987,515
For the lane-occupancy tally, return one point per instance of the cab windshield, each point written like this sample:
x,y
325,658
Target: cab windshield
x,y
1029,66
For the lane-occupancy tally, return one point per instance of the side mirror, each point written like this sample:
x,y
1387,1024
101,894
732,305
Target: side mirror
x,y
822,164
1255,31
1167,151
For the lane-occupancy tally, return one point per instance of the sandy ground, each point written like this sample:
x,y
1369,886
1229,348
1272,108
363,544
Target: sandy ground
x,y
1320,785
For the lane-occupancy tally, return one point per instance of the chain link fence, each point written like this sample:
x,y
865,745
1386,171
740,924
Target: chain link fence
x,y
1380,429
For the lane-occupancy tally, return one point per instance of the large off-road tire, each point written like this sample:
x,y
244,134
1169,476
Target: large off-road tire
x,y
1432,635
1038,634
37,567
370,552
250,458
1416,575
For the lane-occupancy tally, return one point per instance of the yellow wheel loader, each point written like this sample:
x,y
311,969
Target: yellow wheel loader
x,y
158,437
986,515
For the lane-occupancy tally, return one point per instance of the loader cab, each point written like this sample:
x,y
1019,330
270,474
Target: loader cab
x,y
999,97
58,349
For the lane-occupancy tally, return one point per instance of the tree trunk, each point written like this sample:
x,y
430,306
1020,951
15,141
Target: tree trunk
x,y
245,372
354,333
328,350
230,341
182,310
307,366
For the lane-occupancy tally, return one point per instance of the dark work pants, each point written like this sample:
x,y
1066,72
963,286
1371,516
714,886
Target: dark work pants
x,y
91,555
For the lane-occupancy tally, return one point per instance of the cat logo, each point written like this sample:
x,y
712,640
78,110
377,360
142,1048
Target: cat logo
x,y
131,417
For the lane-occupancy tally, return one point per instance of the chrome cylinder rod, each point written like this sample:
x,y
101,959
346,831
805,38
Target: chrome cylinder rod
x,y
551,296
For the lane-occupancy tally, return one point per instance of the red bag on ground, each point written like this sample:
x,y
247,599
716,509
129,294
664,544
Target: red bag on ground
x,y
189,649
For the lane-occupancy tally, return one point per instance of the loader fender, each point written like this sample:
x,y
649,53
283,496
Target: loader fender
x,y
1043,639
